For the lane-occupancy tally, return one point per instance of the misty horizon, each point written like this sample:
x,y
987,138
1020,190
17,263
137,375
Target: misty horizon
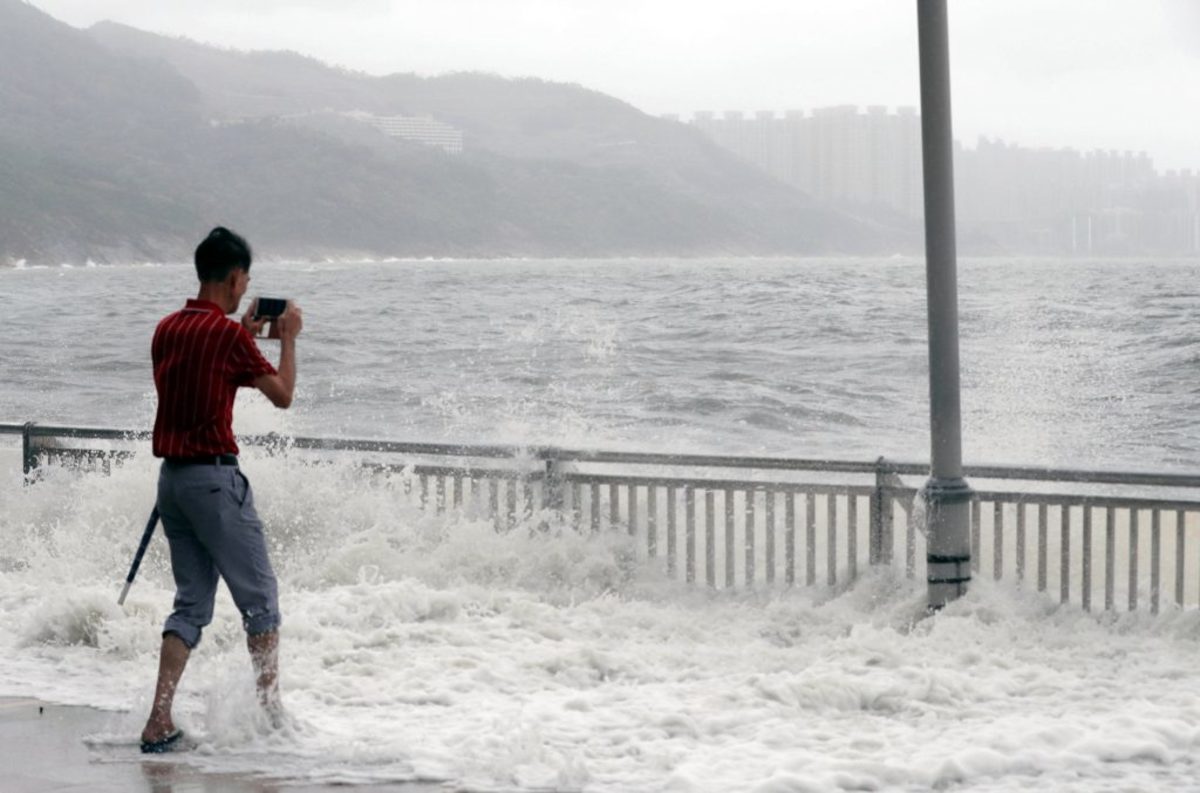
x,y
1076,74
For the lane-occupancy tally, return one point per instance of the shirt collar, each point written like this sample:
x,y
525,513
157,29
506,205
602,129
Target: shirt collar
x,y
204,305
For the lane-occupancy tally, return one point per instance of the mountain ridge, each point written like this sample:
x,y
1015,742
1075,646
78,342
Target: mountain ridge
x,y
118,144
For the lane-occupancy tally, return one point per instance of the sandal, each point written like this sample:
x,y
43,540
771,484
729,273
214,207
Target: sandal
x,y
168,743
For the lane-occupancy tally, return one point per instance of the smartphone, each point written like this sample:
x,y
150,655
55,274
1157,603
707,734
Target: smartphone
x,y
269,308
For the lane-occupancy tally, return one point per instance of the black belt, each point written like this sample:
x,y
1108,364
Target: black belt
x,y
208,459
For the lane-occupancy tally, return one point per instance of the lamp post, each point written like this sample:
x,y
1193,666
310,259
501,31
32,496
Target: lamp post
x,y
947,493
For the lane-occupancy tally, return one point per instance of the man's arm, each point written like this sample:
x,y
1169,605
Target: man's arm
x,y
280,388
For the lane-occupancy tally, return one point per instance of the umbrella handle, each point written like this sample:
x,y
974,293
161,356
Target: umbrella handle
x,y
141,551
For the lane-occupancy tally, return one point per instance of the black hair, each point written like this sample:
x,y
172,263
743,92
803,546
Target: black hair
x,y
219,253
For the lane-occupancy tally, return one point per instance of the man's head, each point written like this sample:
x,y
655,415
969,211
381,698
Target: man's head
x,y
223,260
219,253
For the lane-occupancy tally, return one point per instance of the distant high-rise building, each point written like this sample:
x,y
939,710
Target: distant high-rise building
x,y
836,153
1008,197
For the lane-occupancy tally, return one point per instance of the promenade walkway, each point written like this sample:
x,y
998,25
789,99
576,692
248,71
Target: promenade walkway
x,y
42,751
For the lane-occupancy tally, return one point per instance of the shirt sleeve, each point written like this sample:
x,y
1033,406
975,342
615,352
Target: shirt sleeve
x,y
246,361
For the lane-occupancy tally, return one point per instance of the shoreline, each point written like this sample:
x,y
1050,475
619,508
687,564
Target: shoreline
x,y
42,751
912,257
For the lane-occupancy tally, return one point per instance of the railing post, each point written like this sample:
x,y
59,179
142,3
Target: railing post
x,y
552,486
881,516
29,459
875,538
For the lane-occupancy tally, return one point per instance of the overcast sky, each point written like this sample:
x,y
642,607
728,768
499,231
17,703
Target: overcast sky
x,y
1113,74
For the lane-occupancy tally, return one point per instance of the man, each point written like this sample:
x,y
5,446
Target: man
x,y
200,360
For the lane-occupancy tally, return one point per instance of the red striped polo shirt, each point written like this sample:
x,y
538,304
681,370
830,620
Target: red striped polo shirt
x,y
201,358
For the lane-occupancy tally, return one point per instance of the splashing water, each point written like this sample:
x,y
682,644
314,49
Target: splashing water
x,y
423,646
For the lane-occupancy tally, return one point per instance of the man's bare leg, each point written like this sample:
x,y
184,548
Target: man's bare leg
x,y
264,654
172,659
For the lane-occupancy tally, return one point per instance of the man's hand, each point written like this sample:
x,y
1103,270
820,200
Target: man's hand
x,y
249,322
290,322
279,388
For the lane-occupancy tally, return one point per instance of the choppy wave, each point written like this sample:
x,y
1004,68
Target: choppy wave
x,y
788,357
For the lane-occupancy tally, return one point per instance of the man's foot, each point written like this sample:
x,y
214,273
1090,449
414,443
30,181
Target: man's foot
x,y
167,743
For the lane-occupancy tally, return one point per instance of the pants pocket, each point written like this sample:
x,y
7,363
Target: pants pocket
x,y
241,487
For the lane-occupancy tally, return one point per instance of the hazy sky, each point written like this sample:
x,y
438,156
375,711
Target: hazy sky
x,y
1120,74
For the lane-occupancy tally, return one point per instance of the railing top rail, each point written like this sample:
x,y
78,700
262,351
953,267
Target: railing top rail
x,y
1099,477
719,461
716,484
1070,499
392,447
87,433
568,455
882,465
326,444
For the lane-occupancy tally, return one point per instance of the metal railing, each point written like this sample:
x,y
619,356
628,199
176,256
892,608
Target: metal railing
x,y
1124,540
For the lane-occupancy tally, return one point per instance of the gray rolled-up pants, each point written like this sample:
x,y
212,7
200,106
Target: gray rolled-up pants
x,y
213,531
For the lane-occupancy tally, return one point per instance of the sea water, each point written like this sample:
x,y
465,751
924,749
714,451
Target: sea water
x,y
1063,362
422,646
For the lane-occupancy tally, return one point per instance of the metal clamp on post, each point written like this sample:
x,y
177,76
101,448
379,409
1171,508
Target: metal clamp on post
x,y
949,570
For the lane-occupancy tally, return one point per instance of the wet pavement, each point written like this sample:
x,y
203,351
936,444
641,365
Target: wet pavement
x,y
42,751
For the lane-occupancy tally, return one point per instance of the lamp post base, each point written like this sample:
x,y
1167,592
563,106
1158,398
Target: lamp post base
x,y
948,554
